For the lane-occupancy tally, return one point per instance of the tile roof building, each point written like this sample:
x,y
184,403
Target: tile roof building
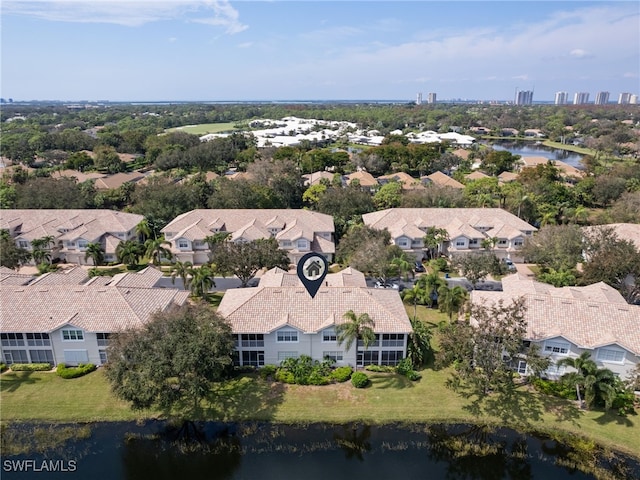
x,y
442,179
468,229
67,317
72,230
279,319
570,320
297,231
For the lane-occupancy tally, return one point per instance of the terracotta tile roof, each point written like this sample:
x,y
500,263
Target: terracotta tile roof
x,y
315,177
117,180
348,277
443,180
476,175
146,278
11,277
624,231
265,309
564,167
590,316
92,307
365,179
408,182
70,276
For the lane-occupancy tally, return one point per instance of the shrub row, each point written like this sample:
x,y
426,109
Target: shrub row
x,y
405,367
380,368
30,367
74,372
305,371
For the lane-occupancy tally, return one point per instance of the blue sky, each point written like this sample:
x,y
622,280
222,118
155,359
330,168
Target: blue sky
x,y
319,50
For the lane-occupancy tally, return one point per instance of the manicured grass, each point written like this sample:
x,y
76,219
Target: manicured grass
x,y
205,128
43,396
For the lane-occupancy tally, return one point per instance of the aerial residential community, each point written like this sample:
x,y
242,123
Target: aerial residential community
x,y
434,243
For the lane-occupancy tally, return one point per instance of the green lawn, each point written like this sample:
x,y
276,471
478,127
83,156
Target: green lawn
x,y
43,396
205,128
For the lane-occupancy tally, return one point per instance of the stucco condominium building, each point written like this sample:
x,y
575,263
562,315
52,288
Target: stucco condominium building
x,y
567,321
278,319
296,231
469,229
67,317
71,230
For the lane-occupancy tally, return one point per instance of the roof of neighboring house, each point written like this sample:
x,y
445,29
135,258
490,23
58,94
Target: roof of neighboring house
x,y
80,176
476,175
117,180
365,178
624,231
266,308
462,153
564,167
507,177
315,177
46,305
11,277
452,219
31,224
592,316
407,181
442,179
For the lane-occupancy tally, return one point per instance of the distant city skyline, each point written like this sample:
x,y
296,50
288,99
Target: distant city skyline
x,y
168,50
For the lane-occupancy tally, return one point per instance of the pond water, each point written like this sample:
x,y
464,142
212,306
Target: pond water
x,y
531,149
317,451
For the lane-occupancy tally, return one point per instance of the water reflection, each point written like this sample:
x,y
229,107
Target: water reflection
x,y
156,450
529,149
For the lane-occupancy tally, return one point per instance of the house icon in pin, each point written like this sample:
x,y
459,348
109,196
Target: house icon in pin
x,y
314,269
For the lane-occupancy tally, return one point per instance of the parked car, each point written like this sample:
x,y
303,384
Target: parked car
x,y
418,267
395,286
510,266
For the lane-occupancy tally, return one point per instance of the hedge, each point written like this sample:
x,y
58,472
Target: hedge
x,y
30,367
359,380
342,374
3,367
74,372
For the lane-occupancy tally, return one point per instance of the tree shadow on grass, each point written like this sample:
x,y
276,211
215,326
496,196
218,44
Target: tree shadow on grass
x,y
246,397
390,380
12,381
612,417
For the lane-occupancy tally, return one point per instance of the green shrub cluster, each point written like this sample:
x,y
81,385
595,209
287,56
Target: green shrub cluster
x,y
341,374
557,389
268,371
405,367
74,372
380,368
3,367
359,380
30,367
305,371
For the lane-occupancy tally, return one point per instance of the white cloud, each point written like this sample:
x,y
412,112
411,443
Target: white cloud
x,y
245,45
127,13
580,53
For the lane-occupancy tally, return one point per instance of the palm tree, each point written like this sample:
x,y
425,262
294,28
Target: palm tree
x,y
182,270
415,296
42,249
597,384
144,230
155,250
419,349
430,283
201,281
129,252
451,300
356,328
95,252
404,267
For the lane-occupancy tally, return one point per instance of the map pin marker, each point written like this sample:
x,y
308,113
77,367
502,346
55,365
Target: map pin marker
x,y
312,268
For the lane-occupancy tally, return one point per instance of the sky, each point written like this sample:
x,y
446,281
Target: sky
x,y
216,50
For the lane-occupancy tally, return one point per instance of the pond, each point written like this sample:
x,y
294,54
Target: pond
x,y
355,451
534,149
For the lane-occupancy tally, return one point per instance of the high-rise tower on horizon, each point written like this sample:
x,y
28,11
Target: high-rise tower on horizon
x,y
580,98
431,99
561,98
419,98
602,98
523,97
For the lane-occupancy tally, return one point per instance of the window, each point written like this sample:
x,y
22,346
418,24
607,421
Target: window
x,y
23,244
402,242
522,367
302,244
182,243
15,356
236,341
368,357
252,340
284,355
11,339
253,358
392,339
198,243
41,356
287,335
38,339
460,243
610,355
518,242
502,242
374,344
329,335
103,339
76,357
555,371
82,244
556,347
72,335
336,356
286,244
391,357
473,241
103,356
